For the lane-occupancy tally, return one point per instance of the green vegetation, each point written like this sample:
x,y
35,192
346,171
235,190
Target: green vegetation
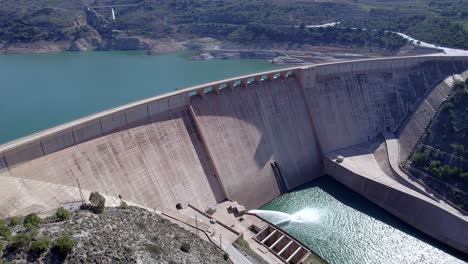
x,y
31,221
245,249
185,247
443,152
40,245
5,231
123,205
97,202
429,28
22,239
15,220
62,214
64,245
154,249
262,34
259,21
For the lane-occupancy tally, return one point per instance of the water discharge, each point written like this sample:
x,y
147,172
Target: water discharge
x,y
343,227
307,215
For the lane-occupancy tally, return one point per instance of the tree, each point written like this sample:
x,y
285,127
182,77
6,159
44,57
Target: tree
x,y
40,245
62,214
15,220
64,245
420,159
5,231
31,220
97,202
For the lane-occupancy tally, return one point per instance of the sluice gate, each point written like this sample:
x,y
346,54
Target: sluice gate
x,y
282,245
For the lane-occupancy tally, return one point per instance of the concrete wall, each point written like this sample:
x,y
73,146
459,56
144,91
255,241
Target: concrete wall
x,y
422,215
411,130
353,102
156,165
247,128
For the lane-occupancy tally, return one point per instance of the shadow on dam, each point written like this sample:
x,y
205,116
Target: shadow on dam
x,y
351,199
247,128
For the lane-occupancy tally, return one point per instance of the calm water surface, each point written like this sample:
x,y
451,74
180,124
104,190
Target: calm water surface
x,y
39,91
343,227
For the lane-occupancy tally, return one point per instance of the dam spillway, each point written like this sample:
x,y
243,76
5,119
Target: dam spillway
x,y
217,141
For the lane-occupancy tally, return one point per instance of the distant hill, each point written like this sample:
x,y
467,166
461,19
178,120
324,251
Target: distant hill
x,y
88,24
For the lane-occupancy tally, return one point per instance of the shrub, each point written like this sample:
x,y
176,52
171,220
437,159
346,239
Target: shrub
x,y
225,256
31,220
62,214
154,250
97,202
5,231
420,159
141,225
15,220
459,84
40,245
464,176
1,250
22,239
123,205
64,244
185,247
242,243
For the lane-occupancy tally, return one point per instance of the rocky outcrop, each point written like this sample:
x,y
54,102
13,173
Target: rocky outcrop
x,y
129,43
131,235
91,41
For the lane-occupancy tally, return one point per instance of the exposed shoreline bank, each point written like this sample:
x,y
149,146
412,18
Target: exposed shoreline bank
x,y
209,48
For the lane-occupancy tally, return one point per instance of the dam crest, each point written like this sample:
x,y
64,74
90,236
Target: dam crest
x,y
249,139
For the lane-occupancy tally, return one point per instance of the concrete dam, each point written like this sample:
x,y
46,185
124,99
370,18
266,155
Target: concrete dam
x,y
249,139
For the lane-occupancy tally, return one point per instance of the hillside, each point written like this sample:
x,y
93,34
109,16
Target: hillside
x,y
441,158
119,235
141,24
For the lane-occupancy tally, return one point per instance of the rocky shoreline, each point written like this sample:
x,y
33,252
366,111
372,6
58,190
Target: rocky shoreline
x,y
209,48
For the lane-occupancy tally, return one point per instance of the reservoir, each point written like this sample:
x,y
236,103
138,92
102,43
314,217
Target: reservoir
x,y
39,91
343,227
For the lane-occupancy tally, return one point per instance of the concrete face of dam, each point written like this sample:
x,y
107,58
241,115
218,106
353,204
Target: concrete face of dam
x,y
248,128
217,141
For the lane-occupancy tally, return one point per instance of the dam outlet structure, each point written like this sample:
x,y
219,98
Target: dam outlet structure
x,y
249,139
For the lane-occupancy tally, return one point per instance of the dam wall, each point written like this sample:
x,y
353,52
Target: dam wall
x,y
156,165
353,102
247,128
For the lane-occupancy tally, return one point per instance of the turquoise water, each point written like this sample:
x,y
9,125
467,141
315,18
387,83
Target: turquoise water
x,y
39,91
343,227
